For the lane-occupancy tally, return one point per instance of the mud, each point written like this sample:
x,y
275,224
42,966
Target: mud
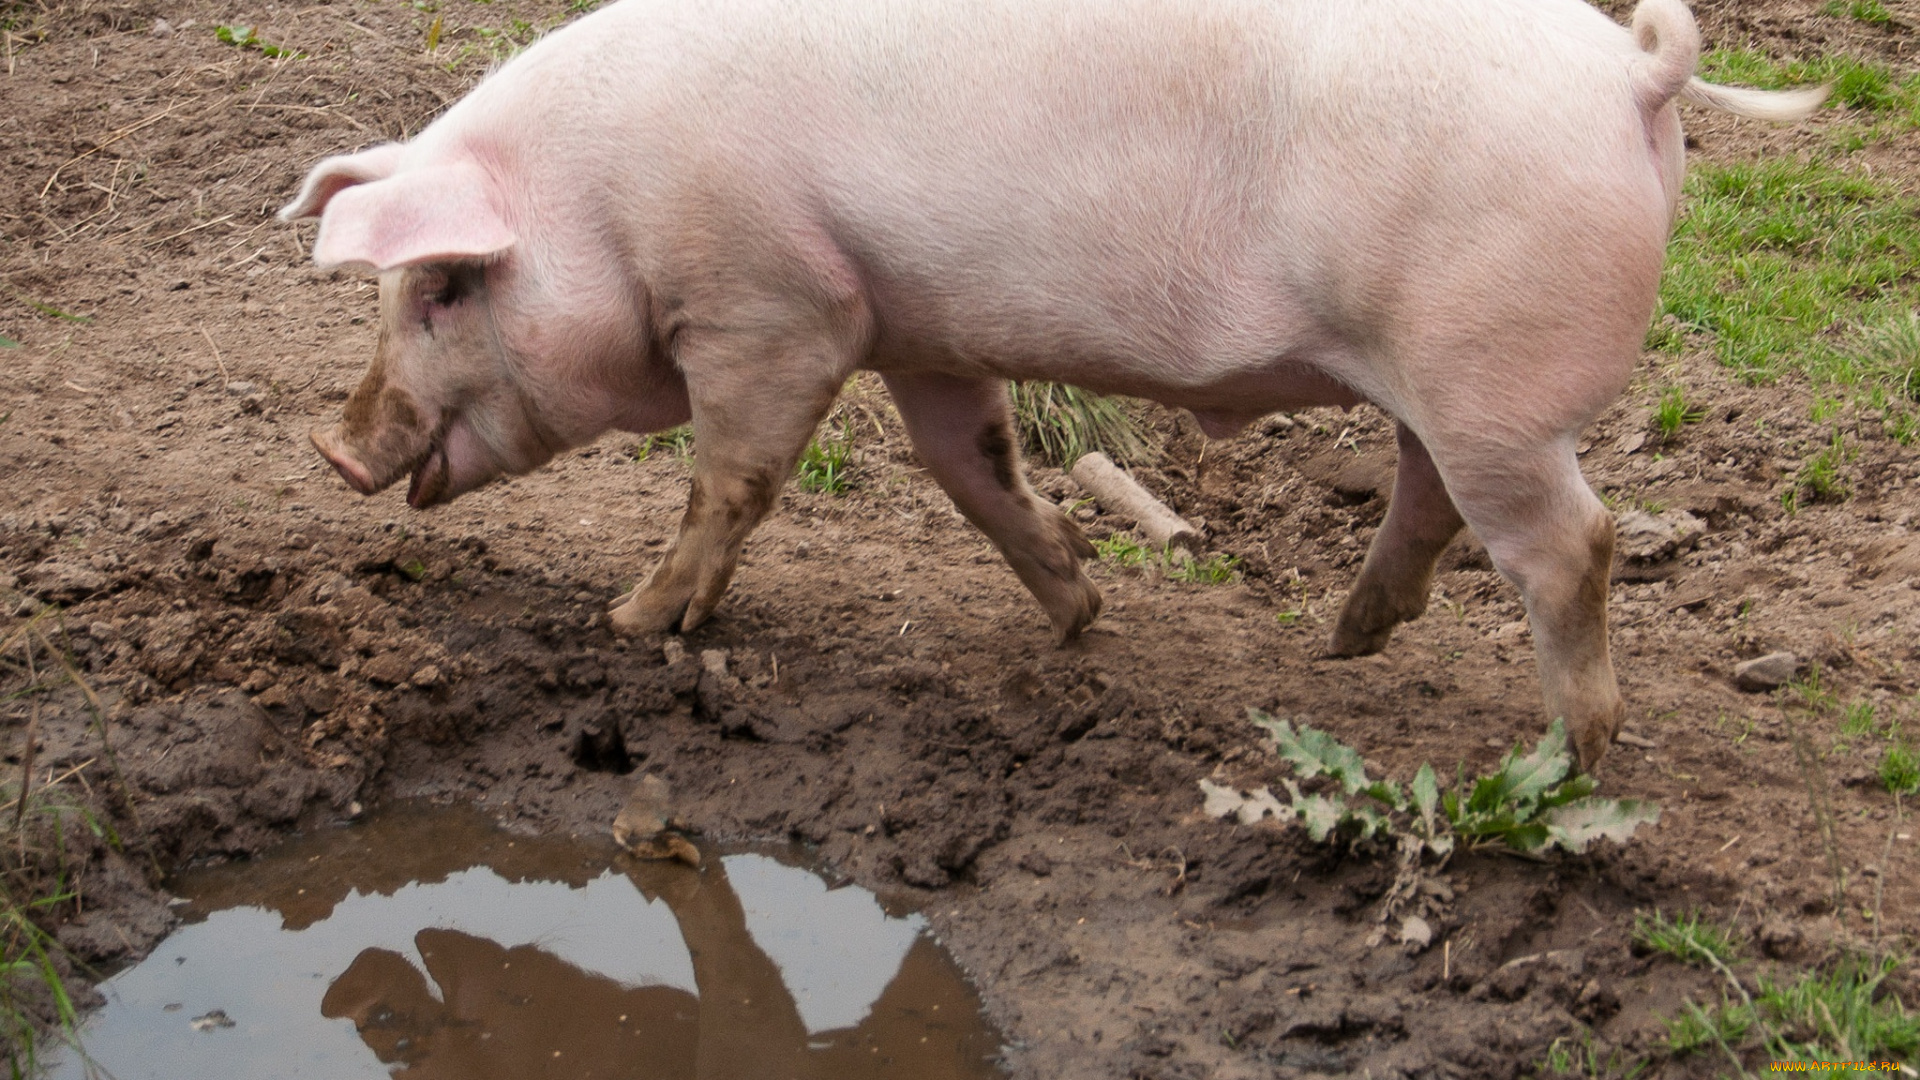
x,y
271,653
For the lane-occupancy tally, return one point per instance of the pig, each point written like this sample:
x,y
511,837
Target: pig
x,y
719,210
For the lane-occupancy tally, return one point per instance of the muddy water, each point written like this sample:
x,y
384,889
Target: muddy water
x,y
427,944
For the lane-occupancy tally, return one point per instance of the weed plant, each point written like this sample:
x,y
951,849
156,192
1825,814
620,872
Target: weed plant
x,y
1529,803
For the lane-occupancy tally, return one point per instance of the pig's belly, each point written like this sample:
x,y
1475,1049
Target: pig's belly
x,y
1225,393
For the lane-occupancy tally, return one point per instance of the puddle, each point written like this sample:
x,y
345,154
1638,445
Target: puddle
x,y
426,944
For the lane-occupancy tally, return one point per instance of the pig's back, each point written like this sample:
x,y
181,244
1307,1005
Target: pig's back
x,y
1201,183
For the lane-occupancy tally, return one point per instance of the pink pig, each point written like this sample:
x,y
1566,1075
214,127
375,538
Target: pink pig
x,y
720,209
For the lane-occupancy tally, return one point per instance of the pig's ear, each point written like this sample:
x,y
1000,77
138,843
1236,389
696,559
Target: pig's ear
x,y
415,216
336,174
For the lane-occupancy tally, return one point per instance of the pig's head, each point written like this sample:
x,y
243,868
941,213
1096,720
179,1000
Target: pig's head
x,y
442,399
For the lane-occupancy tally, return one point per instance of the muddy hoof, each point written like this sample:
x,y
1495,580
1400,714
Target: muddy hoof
x,y
640,614
1348,642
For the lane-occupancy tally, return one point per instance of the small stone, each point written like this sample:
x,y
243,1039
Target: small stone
x,y
161,28
672,651
1767,672
241,389
298,542
714,663
387,670
1630,442
1416,932
1645,537
427,676
1638,742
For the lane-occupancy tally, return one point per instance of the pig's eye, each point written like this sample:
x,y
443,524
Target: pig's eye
x,y
459,283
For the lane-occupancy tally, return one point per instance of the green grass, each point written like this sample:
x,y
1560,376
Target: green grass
x,y
676,441
823,466
1215,569
1058,424
1690,938
1673,412
1570,1058
1710,1028
1842,1015
1857,721
1823,478
1900,769
1845,1013
1890,351
1771,257
38,863
1871,12
1123,550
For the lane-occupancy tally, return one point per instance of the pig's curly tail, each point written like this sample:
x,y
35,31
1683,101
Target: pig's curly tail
x,y
1666,33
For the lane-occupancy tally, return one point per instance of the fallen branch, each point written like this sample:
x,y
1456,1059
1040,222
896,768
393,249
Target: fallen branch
x,y
1119,493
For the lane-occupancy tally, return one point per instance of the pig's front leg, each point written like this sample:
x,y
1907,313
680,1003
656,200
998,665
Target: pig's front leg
x,y
757,399
963,430
1393,583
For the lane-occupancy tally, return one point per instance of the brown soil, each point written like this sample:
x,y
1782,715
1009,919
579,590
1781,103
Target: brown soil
x,y
270,650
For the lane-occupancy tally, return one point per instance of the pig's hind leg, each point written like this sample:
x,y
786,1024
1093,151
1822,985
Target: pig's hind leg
x,y
1548,533
1393,583
963,430
757,397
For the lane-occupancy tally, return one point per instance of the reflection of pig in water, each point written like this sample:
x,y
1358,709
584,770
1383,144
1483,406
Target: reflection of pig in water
x,y
522,1014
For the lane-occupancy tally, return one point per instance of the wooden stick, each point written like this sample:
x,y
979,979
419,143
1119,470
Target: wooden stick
x,y
1119,493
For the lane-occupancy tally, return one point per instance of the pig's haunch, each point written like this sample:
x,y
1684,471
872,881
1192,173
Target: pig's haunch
x,y
719,209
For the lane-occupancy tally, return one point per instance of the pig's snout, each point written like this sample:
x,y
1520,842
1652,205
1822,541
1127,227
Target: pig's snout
x,y
332,447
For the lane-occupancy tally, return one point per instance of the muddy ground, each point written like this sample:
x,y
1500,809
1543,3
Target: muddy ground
x,y
270,652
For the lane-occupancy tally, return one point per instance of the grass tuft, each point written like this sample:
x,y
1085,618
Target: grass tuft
x,y
1060,423
1215,569
1673,412
824,464
1690,938
1900,769
1823,477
